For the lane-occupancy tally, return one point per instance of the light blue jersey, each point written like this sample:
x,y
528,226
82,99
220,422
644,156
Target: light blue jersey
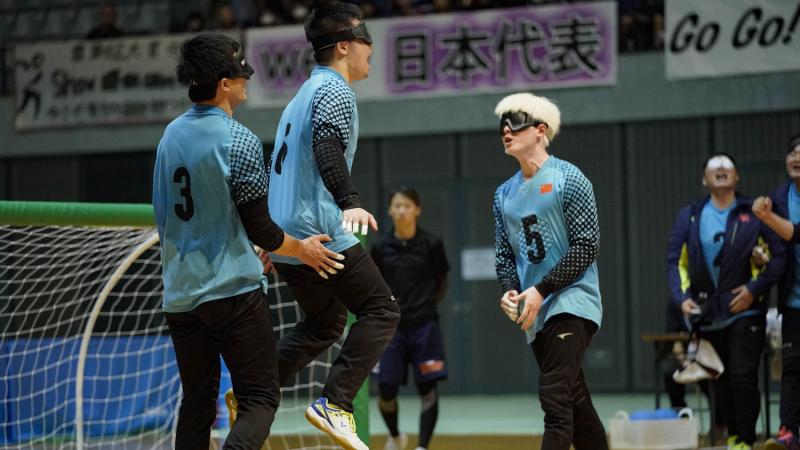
x,y
713,222
794,216
207,163
547,232
299,202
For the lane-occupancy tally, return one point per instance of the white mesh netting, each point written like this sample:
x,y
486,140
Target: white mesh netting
x,y
50,281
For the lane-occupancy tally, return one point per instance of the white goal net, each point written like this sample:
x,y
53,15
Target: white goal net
x,y
86,360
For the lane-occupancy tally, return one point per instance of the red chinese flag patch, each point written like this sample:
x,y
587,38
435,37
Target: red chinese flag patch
x,y
546,188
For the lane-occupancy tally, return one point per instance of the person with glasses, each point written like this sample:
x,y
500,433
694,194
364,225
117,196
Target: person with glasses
x,y
546,238
209,199
715,280
781,212
311,192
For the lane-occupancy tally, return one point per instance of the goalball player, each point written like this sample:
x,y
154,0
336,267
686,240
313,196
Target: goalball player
x,y
546,236
311,193
209,198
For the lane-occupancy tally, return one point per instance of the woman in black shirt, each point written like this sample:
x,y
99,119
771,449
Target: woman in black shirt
x,y
414,264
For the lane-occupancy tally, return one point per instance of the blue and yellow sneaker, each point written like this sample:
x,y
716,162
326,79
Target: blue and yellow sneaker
x,y
336,423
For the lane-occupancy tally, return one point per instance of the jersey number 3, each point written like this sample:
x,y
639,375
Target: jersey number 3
x,y
533,239
184,210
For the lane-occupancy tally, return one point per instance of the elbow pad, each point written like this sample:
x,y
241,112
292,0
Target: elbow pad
x,y
260,228
329,156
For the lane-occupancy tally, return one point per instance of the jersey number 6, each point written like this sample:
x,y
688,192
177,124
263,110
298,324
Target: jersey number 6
x,y
533,237
283,151
184,210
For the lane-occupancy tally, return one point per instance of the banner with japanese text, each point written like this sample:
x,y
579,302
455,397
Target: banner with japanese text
x,y
712,38
526,48
114,81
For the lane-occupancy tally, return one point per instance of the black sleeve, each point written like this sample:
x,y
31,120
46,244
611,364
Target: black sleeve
x,y
440,267
375,253
438,259
261,230
505,263
796,233
329,156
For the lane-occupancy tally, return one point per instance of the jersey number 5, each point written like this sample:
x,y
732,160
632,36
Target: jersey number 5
x,y
184,210
533,239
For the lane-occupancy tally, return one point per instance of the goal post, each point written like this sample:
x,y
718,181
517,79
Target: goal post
x,y
85,355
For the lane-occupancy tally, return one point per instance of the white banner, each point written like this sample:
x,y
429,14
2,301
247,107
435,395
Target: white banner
x,y
454,54
711,38
123,81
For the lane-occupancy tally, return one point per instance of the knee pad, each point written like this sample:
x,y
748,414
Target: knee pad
x,y
554,396
388,392
388,406
329,331
429,399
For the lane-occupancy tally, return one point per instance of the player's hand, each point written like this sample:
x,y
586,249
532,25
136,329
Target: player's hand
x,y
358,219
760,256
762,207
532,301
689,307
263,255
509,307
742,300
319,257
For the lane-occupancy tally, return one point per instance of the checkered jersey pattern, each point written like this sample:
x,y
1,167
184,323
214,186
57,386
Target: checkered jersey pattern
x,y
505,264
332,111
248,174
580,214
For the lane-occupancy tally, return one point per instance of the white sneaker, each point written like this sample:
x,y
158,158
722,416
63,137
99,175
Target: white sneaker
x,y
692,373
336,423
396,443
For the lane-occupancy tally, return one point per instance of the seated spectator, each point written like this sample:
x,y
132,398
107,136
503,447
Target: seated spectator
x,y
641,25
108,24
368,8
404,8
195,22
225,18
281,12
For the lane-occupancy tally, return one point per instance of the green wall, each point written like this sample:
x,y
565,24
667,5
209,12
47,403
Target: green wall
x,y
641,143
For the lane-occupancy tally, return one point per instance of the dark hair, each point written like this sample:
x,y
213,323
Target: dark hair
x,y
406,192
329,18
714,155
203,61
794,141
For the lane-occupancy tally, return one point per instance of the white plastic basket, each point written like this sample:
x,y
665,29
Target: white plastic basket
x,y
659,434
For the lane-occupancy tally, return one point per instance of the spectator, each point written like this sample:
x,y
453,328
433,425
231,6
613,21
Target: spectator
x,y
404,8
641,24
368,8
108,24
225,18
195,22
